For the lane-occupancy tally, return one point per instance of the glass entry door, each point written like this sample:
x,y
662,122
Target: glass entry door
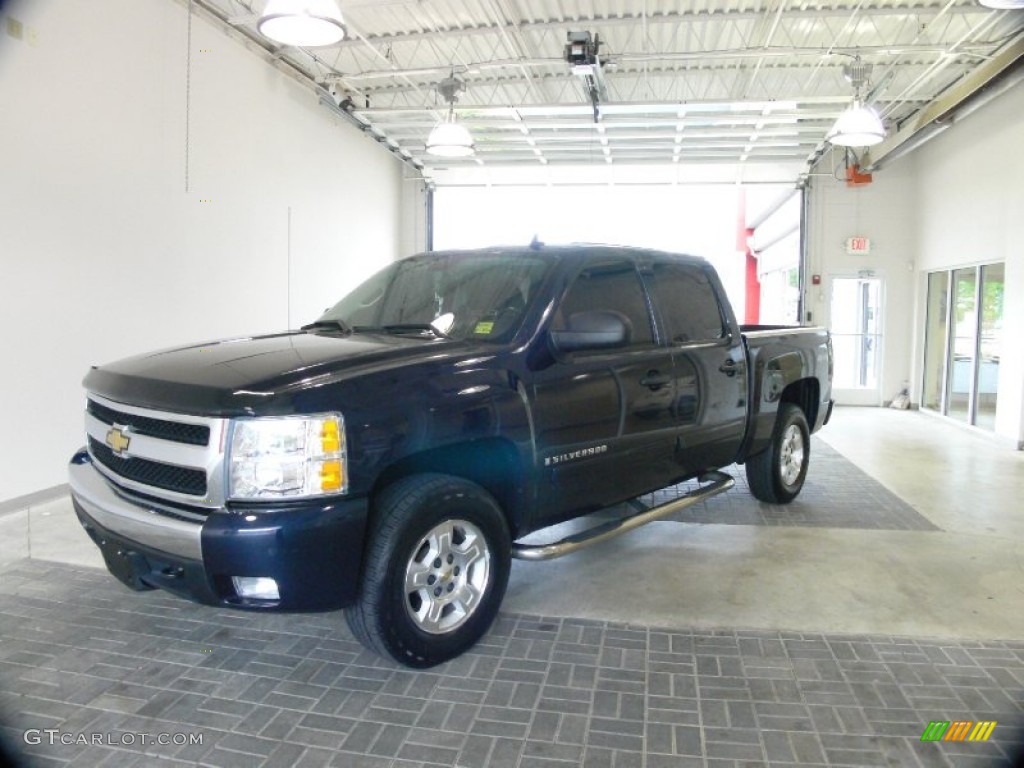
x,y
961,380
935,340
855,314
963,338
990,339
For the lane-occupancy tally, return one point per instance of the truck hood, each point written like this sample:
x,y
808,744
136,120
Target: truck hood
x,y
247,375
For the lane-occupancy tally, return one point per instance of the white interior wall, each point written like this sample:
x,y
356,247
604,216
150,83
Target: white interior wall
x,y
954,202
884,211
413,238
104,252
970,196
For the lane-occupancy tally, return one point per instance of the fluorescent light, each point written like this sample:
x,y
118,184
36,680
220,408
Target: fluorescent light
x,y
858,126
306,23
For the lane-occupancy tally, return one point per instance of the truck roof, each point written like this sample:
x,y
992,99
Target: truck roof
x,y
576,251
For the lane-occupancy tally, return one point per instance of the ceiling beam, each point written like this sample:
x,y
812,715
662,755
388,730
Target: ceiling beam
x,y
670,17
945,106
775,52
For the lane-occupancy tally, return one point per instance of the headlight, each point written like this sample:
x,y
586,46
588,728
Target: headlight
x,y
288,457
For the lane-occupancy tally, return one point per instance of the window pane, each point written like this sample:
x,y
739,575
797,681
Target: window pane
x,y
965,330
687,303
990,344
615,287
935,340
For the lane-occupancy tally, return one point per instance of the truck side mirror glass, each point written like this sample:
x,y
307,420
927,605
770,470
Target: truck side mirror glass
x,y
594,329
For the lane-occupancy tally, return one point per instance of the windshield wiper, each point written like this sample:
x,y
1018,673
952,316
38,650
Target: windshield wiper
x,y
415,328
338,325
397,328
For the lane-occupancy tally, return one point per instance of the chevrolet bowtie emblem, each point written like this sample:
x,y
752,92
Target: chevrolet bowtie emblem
x,y
118,441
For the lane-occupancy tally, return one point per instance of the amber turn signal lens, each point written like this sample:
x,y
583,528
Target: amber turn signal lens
x,y
330,476
330,437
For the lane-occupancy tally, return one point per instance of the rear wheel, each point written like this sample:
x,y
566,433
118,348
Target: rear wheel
x,y
435,571
777,474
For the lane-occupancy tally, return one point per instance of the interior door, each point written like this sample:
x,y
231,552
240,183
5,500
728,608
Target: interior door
x,y
855,320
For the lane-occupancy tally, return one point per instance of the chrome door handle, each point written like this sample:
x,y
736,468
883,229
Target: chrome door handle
x,y
729,367
655,380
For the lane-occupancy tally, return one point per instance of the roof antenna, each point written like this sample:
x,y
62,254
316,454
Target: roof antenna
x,y
535,244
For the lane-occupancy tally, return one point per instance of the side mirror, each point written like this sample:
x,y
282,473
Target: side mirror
x,y
596,329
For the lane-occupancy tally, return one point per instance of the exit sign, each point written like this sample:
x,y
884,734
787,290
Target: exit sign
x,y
858,245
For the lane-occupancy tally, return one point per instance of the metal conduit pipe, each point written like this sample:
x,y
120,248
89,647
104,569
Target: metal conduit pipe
x,y
972,104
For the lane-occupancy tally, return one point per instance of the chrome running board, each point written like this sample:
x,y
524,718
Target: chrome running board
x,y
720,482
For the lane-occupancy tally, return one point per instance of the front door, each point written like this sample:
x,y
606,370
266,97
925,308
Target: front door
x,y
604,419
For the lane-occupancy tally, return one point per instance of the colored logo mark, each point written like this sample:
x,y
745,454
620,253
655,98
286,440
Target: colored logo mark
x,y
958,730
118,440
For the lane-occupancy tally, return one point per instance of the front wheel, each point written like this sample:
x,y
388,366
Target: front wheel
x,y
777,474
435,570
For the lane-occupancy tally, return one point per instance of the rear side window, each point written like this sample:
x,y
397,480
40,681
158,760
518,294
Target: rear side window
x,y
611,286
687,303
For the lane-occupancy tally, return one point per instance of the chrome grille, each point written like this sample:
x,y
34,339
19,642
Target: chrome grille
x,y
175,431
174,457
153,473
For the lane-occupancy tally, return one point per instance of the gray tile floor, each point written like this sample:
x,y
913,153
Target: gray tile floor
x,y
80,654
836,494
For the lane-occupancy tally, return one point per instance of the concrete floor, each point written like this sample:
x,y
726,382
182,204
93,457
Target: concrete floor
x,y
965,580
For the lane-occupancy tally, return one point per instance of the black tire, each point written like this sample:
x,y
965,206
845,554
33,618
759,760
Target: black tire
x,y
777,474
411,520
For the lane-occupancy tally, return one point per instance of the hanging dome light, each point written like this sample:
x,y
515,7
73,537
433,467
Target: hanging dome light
x,y
306,23
858,126
450,139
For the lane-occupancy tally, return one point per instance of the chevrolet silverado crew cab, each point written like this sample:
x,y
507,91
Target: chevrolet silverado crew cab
x,y
390,457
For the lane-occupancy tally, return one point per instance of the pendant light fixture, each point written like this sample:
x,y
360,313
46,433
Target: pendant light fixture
x,y
449,138
305,23
859,125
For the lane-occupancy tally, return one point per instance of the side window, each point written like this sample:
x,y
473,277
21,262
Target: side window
x,y
611,286
687,303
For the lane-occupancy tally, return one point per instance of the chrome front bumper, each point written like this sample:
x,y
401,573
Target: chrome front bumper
x,y
136,523
313,550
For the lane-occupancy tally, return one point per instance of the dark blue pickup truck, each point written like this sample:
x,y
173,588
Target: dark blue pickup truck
x,y
390,457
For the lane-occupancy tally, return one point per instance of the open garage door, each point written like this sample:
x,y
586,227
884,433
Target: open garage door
x,y
774,242
699,219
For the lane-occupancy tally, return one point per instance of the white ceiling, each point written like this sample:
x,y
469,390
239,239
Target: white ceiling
x,y
696,81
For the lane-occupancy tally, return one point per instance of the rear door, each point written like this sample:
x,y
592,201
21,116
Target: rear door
x,y
709,365
604,419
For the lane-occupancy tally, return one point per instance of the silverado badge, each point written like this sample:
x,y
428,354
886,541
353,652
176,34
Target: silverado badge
x,y
118,440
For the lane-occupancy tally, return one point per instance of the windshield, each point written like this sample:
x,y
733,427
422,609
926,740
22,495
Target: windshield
x,y
479,296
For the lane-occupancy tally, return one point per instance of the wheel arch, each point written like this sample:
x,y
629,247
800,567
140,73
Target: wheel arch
x,y
805,395
492,463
